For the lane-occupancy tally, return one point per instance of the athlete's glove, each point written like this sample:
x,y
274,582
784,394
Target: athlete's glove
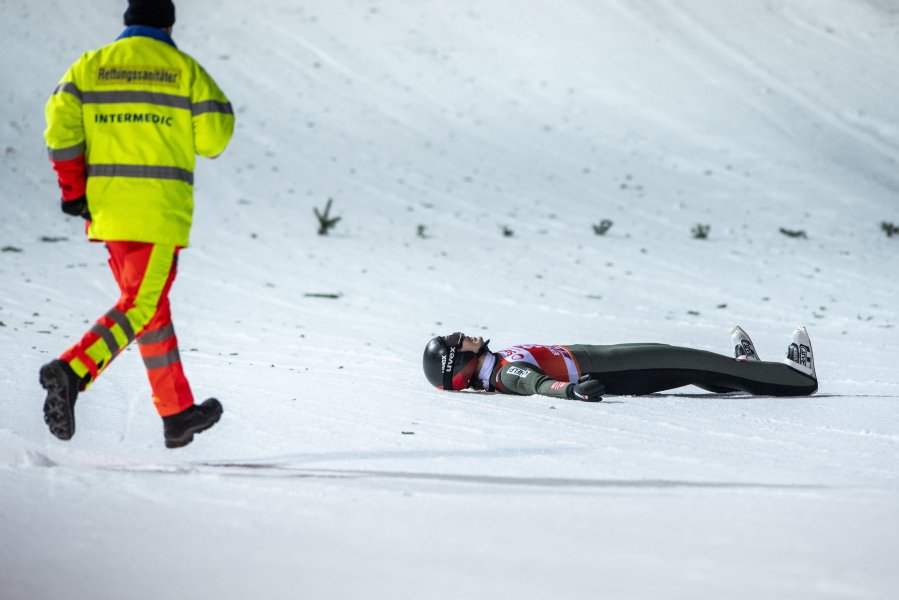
x,y
586,389
76,207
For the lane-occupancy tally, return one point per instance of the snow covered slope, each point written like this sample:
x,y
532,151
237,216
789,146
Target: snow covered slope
x,y
336,470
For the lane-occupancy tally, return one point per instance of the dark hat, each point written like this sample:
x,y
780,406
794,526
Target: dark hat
x,y
155,13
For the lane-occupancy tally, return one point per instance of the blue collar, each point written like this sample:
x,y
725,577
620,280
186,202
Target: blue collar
x,y
145,31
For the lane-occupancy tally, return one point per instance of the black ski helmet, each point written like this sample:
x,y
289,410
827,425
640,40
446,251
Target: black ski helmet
x,y
446,366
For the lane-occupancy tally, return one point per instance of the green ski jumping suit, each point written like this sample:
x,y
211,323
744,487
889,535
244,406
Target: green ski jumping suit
x,y
636,369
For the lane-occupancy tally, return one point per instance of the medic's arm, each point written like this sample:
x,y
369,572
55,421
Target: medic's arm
x,y
212,115
525,379
65,136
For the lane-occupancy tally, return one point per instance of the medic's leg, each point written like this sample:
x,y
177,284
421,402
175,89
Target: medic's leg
x,y
159,349
181,418
144,273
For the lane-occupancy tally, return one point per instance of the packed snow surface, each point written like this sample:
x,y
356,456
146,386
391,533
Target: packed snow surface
x,y
469,147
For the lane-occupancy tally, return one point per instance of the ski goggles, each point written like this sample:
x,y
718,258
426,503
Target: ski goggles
x,y
454,340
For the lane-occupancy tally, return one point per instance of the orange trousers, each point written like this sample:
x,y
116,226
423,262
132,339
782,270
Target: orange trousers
x,y
145,273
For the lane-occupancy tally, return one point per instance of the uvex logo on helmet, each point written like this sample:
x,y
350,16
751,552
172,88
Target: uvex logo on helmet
x,y
447,361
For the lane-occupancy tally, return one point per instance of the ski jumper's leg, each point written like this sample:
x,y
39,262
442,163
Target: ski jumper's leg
x,y
144,273
634,369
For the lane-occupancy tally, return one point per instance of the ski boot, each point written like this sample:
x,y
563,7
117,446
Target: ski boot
x,y
744,350
179,429
62,385
799,353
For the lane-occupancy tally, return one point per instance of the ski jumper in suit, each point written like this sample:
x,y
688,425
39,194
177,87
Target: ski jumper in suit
x,y
636,369
123,128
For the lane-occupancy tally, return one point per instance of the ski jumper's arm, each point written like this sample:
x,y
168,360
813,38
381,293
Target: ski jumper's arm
x,y
525,379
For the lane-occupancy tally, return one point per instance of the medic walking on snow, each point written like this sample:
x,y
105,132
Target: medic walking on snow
x,y
123,128
580,372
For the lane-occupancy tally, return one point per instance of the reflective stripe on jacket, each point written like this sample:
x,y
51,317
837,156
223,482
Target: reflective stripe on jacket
x,y
138,111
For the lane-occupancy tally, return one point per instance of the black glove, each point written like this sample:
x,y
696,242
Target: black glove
x,y
76,207
586,389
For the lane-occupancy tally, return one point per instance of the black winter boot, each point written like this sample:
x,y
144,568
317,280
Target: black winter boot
x,y
62,385
181,427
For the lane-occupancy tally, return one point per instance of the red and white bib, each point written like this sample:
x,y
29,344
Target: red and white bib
x,y
555,361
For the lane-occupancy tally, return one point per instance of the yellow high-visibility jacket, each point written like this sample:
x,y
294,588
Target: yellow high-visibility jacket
x,y
138,111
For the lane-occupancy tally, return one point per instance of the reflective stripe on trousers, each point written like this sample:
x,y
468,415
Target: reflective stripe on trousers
x,y
145,273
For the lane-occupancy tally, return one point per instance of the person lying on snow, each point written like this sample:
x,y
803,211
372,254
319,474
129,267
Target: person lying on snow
x,y
582,372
